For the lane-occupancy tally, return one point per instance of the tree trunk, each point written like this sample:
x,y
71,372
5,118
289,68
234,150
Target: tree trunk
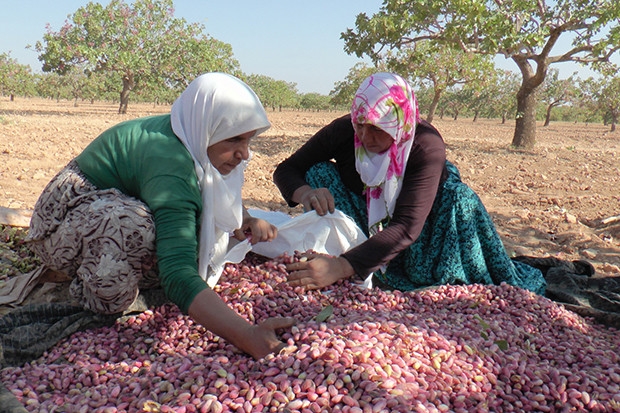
x,y
475,116
433,107
548,116
525,126
128,84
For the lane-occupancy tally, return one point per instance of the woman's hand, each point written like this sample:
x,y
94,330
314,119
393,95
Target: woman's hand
x,y
318,271
261,338
256,230
257,340
319,199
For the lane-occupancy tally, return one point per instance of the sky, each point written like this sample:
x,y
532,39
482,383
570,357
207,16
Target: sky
x,y
297,41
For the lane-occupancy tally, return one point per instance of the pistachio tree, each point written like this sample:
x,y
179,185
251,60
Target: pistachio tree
x,y
556,92
344,91
502,91
587,105
528,32
607,96
273,93
441,68
15,78
141,42
315,101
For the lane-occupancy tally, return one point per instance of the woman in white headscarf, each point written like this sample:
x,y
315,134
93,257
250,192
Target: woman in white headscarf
x,y
387,169
154,201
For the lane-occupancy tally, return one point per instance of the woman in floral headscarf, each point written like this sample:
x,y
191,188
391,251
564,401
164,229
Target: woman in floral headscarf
x,y
152,202
386,168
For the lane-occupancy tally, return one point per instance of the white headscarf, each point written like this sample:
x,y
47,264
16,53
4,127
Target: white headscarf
x,y
213,108
386,101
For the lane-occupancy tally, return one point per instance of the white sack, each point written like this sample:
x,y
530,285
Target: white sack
x,y
331,234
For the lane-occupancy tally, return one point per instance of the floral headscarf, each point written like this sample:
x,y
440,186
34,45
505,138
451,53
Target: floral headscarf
x,y
386,101
213,108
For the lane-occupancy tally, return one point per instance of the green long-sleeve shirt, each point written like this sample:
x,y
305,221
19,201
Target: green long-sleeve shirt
x,y
144,159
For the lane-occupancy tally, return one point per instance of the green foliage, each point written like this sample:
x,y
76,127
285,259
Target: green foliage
x,y
343,93
141,43
441,46
14,77
489,27
602,97
501,92
609,98
556,92
440,68
315,101
274,94
525,31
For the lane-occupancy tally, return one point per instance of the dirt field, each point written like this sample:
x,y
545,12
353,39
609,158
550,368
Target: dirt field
x,y
559,199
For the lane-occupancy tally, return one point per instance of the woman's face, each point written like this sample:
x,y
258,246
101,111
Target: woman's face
x,y
227,154
374,139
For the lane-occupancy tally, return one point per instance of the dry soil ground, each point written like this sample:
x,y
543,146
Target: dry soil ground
x,y
559,199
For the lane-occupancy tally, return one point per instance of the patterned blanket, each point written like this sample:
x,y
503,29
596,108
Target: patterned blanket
x,y
28,331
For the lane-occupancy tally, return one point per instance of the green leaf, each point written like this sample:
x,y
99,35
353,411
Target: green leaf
x,y
324,314
483,323
502,344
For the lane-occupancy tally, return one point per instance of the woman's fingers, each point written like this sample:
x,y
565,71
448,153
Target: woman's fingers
x,y
299,276
318,204
322,208
266,232
304,282
257,230
326,200
302,276
276,323
331,204
320,200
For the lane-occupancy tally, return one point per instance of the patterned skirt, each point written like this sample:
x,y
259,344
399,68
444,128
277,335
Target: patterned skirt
x,y
458,244
103,240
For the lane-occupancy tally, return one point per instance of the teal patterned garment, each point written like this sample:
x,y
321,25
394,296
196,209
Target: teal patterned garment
x,y
458,244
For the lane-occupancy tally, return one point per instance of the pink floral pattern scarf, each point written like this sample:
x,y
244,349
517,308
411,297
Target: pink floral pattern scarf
x,y
386,101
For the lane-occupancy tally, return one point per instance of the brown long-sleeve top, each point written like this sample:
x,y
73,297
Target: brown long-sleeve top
x,y
424,172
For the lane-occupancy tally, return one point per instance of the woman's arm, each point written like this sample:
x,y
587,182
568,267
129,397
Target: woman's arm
x,y
333,141
256,340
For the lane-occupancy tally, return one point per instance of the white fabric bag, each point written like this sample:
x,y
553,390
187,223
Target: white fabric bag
x,y
331,234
